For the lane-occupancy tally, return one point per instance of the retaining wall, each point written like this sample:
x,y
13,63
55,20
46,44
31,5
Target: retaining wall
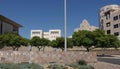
x,y
45,57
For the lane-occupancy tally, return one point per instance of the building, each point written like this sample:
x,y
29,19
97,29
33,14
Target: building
x,y
85,26
109,19
51,35
46,35
38,33
7,25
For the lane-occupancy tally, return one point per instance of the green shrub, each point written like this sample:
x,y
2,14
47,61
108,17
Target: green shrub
x,y
80,65
73,65
85,67
30,66
82,62
20,66
55,66
8,66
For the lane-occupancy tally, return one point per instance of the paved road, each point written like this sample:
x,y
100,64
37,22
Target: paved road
x,y
111,59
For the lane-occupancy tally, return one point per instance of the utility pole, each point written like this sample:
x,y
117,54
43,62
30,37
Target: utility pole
x,y
65,49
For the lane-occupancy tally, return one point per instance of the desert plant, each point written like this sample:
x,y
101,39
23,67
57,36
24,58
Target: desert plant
x,y
20,66
55,66
82,62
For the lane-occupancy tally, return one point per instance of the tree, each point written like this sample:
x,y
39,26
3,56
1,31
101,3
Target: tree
x,y
13,40
39,42
70,43
59,43
107,41
53,43
116,44
35,41
1,42
44,42
83,38
97,34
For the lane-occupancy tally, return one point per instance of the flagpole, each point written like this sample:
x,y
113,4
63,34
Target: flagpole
x,y
65,49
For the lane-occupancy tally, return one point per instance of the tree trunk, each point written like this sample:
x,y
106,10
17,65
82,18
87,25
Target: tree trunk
x,y
43,48
17,48
13,48
88,49
62,49
39,48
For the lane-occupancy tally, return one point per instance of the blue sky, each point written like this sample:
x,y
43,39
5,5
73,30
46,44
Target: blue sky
x,y
49,14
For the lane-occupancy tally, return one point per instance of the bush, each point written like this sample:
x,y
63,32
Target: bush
x,y
8,66
30,66
73,65
55,66
82,62
20,66
85,67
80,65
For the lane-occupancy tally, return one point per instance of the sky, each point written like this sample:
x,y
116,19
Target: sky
x,y
49,14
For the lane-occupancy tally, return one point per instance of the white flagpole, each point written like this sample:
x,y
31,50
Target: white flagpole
x,y
65,49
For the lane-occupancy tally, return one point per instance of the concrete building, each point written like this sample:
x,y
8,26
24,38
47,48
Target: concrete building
x,y
7,25
46,35
51,35
109,19
38,33
85,26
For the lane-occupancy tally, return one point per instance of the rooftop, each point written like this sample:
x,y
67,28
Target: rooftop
x,y
9,21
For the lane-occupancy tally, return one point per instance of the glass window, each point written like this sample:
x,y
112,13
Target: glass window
x,y
35,32
115,18
108,31
116,26
116,33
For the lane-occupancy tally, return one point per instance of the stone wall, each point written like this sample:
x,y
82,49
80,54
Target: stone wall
x,y
45,57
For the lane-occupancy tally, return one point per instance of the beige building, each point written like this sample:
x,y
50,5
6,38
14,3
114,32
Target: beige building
x,y
85,26
51,35
7,25
109,19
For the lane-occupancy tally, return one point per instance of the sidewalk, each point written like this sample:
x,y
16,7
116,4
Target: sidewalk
x,y
104,65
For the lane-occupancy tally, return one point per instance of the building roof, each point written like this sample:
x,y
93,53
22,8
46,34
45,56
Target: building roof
x,y
9,21
85,26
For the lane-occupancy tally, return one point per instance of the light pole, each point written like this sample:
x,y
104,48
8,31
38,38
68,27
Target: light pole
x,y
65,25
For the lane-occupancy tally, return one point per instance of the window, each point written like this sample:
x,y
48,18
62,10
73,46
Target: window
x,y
116,26
115,18
108,31
35,32
15,29
108,24
54,32
0,27
119,16
116,33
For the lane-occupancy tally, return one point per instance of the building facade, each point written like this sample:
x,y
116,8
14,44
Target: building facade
x,y
51,35
85,26
109,19
38,33
7,25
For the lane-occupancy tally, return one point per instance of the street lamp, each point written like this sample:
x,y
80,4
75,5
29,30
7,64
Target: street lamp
x,y
65,49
